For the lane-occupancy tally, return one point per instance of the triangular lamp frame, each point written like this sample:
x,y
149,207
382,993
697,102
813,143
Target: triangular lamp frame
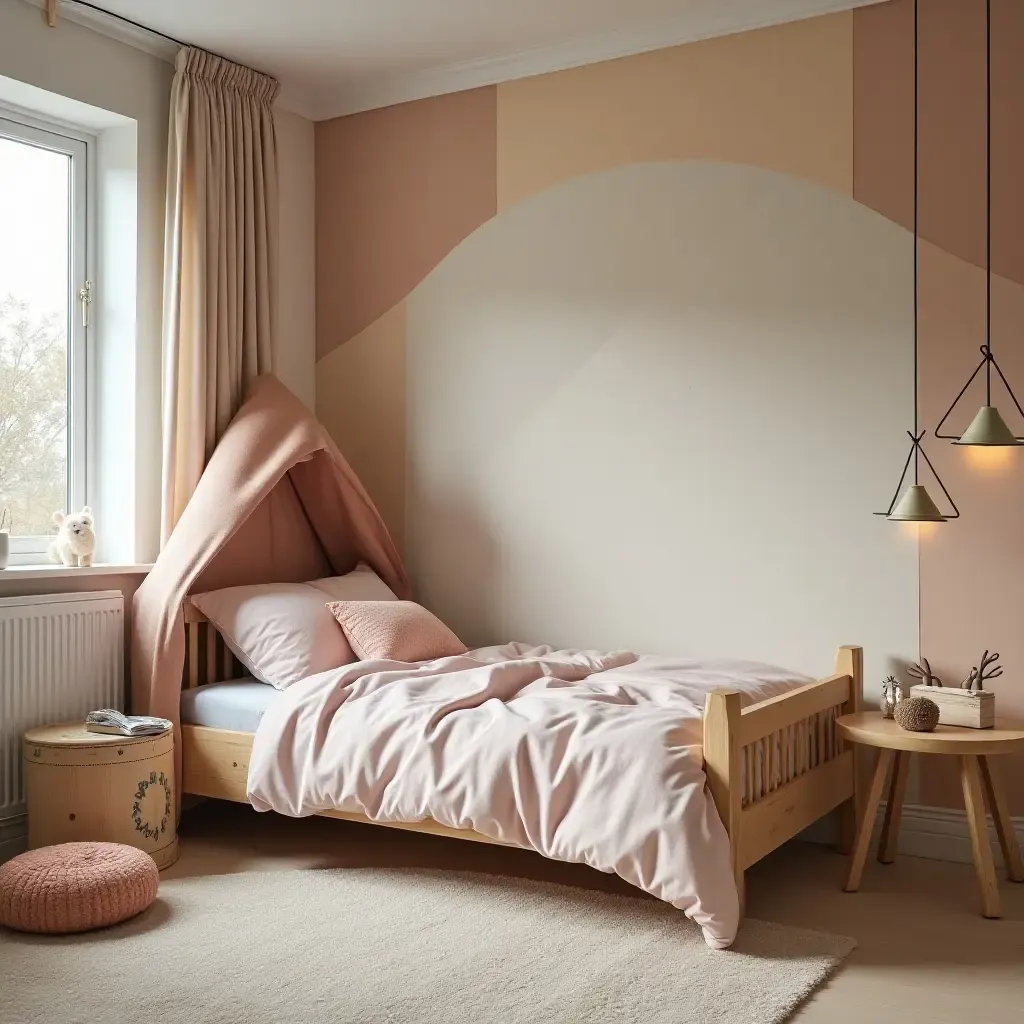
x,y
988,361
915,451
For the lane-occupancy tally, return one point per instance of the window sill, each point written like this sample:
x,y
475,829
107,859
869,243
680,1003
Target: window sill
x,y
56,572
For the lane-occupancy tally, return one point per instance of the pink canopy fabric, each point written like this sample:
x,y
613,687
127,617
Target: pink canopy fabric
x,y
277,503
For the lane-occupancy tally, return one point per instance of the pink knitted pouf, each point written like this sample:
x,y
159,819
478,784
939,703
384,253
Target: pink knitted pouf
x,y
75,887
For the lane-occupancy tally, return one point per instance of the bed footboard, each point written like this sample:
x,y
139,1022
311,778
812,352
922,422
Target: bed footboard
x,y
778,766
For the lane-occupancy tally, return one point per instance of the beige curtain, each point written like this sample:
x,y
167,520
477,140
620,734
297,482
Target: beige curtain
x,y
220,266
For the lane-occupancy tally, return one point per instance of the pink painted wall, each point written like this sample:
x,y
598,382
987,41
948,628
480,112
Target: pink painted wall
x,y
972,571
396,190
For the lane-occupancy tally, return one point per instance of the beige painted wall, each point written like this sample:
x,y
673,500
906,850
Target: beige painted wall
x,y
654,408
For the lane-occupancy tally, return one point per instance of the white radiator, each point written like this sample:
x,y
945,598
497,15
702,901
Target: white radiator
x,y
61,656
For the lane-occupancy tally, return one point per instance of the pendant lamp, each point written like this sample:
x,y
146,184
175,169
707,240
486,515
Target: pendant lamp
x,y
988,429
917,505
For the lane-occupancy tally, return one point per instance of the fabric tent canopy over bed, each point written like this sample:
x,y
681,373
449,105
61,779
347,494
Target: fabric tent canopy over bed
x,y
277,503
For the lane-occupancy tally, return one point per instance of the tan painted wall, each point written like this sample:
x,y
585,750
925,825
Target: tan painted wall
x,y
363,405
779,98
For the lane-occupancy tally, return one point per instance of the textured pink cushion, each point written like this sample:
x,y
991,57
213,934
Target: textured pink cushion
x,y
74,887
395,631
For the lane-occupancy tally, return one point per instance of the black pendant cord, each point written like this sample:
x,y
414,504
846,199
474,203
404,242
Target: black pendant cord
x,y
988,202
988,359
917,212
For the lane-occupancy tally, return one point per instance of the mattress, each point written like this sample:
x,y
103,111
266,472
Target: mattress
x,y
237,705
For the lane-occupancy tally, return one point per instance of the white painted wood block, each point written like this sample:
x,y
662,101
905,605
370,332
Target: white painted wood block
x,y
960,707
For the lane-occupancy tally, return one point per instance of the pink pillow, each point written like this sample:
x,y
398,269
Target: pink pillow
x,y
395,631
281,632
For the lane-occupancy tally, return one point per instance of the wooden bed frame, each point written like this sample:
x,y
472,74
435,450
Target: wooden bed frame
x,y
773,768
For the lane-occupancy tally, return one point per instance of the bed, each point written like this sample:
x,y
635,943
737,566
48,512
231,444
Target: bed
x,y
278,505
773,768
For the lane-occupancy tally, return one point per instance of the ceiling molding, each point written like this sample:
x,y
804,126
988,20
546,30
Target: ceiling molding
x,y
711,18
715,18
288,98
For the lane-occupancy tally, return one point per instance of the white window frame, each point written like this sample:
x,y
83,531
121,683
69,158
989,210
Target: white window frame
x,y
80,147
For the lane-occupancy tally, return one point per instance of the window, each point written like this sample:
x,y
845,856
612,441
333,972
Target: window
x,y
44,308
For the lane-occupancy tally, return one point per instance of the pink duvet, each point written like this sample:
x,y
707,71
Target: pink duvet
x,y
583,757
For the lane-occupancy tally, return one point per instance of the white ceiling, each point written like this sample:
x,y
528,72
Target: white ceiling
x,y
337,56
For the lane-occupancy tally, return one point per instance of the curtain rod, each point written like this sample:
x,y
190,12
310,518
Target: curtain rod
x,y
139,25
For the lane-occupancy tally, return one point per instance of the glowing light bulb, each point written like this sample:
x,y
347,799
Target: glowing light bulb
x,y
919,531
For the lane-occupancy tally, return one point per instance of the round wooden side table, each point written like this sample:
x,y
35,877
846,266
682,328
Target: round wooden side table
x,y
975,749
90,787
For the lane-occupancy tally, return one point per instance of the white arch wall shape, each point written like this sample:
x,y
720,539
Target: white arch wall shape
x,y
654,408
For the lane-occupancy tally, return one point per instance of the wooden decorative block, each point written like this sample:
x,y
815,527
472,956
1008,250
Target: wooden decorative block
x,y
961,707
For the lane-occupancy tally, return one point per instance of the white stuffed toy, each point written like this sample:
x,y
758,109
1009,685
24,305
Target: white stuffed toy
x,y
75,541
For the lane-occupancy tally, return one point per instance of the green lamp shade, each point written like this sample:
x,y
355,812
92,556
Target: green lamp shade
x,y
989,429
916,506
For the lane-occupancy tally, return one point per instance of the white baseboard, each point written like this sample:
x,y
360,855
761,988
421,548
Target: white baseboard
x,y
936,833
941,833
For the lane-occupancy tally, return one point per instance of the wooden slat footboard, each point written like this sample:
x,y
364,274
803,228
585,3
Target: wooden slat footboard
x,y
778,766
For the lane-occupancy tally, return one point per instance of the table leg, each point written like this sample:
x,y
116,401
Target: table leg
x,y
1004,824
894,808
867,822
974,802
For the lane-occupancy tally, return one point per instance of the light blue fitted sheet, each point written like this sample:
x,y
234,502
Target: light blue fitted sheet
x,y
237,705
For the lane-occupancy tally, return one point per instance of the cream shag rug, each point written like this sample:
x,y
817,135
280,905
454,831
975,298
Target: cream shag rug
x,y
406,947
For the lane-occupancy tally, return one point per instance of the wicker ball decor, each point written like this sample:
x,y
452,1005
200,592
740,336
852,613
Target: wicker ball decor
x,y
918,714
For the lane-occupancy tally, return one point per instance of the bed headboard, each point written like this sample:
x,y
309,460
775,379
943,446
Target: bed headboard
x,y
207,658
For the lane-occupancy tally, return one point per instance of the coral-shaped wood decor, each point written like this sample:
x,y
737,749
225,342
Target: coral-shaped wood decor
x,y
925,674
975,681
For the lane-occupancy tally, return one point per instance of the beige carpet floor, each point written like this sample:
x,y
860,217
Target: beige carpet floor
x,y
407,947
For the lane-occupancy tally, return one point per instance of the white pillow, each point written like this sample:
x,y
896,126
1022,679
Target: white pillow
x,y
283,632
